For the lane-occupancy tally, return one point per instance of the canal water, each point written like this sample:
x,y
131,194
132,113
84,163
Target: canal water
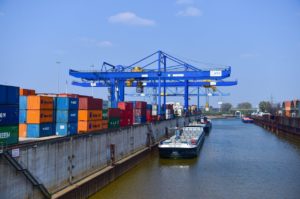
x,y
237,160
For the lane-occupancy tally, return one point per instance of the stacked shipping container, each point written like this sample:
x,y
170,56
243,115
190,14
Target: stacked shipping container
x,y
9,115
89,114
139,112
149,113
126,113
154,112
113,118
169,111
104,114
66,115
24,93
39,117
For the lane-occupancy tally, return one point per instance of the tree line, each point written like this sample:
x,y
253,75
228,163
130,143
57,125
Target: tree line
x,y
264,106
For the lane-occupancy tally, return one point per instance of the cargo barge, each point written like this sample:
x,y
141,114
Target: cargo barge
x,y
203,122
247,120
186,143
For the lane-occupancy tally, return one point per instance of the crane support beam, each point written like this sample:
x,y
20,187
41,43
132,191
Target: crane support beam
x,y
169,75
198,98
156,84
159,83
179,95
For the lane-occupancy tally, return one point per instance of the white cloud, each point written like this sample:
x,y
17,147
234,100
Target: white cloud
x,y
190,12
94,42
104,44
130,18
184,2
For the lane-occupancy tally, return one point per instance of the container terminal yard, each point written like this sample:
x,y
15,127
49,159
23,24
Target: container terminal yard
x,y
63,143
71,146
138,100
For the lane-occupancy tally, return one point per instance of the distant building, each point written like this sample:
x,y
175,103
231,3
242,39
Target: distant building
x,y
291,108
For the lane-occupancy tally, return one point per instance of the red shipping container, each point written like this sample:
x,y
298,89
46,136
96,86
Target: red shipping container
x,y
129,117
122,123
126,118
113,113
149,116
169,106
89,103
122,113
140,105
139,112
154,118
125,105
69,95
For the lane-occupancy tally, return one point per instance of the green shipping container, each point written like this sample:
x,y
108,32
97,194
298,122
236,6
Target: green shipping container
x,y
9,135
104,114
114,123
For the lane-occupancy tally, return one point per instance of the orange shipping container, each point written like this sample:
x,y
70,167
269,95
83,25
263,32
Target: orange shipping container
x,y
105,127
104,124
39,116
89,115
86,126
26,92
39,102
23,130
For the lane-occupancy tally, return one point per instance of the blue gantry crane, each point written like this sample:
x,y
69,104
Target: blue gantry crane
x,y
159,71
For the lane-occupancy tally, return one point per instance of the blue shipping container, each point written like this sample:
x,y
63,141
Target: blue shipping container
x,y
66,116
64,129
13,94
3,97
9,95
23,102
40,130
22,116
140,120
66,103
149,106
9,115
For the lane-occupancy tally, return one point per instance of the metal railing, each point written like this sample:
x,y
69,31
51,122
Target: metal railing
x,y
27,174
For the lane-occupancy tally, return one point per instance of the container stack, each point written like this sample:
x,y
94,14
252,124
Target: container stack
x,y
154,112
89,114
104,114
139,112
149,113
162,114
126,113
24,93
66,116
193,109
178,109
39,117
169,111
113,118
9,115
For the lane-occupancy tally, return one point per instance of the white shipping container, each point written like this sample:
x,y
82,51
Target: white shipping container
x,y
154,112
154,107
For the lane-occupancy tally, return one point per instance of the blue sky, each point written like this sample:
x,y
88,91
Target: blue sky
x,y
259,39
